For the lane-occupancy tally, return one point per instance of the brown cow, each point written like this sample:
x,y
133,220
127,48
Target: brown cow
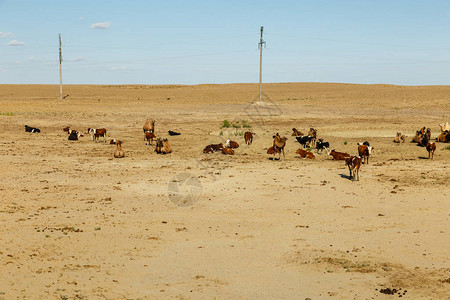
x,y
365,151
339,155
231,144
213,148
296,132
163,146
228,151
305,154
119,152
149,136
248,137
279,143
97,133
353,163
431,147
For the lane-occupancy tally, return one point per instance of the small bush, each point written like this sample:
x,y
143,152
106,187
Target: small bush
x,y
226,124
345,143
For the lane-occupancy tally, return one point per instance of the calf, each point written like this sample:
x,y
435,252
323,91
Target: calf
x,y
364,151
213,148
353,163
305,154
97,133
149,136
339,155
431,147
321,145
231,144
248,137
32,129
304,140
228,151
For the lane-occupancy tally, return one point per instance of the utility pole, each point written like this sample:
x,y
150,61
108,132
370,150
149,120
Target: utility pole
x,y
60,68
261,43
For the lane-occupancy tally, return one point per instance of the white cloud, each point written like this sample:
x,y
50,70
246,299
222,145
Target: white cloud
x,y
16,43
76,59
119,68
101,25
6,34
81,18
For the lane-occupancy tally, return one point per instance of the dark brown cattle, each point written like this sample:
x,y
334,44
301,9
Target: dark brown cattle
x,y
364,151
231,144
213,148
149,136
444,137
339,155
431,147
248,137
227,151
66,129
353,163
305,154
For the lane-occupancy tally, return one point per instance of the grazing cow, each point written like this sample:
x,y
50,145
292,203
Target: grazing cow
x,y
444,127
339,155
353,163
149,136
431,147
32,129
119,152
163,146
399,138
171,133
444,137
321,145
305,154
313,133
248,137
228,151
74,135
231,144
365,151
296,132
304,140
97,133
279,143
213,148
149,126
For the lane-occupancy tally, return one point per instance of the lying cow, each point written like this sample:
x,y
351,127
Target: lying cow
x,y
364,151
444,137
353,163
119,152
32,129
231,144
213,148
74,135
339,155
228,151
305,154
399,138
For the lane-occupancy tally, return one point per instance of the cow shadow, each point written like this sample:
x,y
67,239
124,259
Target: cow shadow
x,y
273,158
345,176
423,157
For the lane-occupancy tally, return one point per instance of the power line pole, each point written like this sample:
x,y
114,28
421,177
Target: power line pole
x,y
60,68
261,43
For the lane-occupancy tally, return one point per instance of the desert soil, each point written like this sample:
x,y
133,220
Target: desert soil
x,y
75,223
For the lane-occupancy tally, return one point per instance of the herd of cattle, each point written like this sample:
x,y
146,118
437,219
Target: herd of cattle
x,y
307,142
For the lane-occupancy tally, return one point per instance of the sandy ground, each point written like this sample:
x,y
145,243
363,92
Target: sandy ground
x,y
77,224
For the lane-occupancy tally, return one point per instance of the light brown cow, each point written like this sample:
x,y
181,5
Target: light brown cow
x,y
279,143
231,144
228,151
338,155
149,126
444,127
444,137
400,138
149,136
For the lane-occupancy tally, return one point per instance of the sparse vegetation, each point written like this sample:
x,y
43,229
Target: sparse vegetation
x,y
9,114
226,124
447,147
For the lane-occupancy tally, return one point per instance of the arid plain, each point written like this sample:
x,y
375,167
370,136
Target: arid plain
x,y
75,223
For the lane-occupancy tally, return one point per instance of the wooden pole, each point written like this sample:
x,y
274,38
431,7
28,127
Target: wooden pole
x,y
60,69
261,42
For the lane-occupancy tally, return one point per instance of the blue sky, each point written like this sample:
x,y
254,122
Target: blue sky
x,y
193,42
